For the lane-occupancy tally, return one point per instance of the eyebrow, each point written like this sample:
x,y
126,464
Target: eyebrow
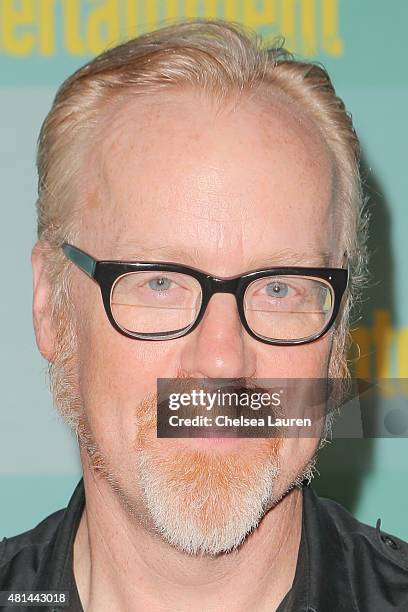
x,y
288,257
134,251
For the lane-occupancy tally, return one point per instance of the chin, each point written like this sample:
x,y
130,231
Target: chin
x,y
204,496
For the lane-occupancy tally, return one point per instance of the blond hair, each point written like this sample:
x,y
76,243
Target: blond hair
x,y
223,59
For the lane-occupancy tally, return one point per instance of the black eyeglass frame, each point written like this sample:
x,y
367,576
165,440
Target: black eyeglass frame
x,y
106,272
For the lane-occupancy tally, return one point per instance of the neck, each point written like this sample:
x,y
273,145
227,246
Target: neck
x,y
119,564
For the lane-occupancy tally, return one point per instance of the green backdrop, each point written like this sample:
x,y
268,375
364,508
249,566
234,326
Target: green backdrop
x,y
364,46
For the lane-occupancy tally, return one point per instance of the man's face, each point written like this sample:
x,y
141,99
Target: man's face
x,y
169,179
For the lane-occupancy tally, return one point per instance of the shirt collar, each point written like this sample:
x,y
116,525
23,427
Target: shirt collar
x,y
56,567
321,579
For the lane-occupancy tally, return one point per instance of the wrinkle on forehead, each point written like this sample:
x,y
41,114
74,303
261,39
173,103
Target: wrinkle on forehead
x,y
133,133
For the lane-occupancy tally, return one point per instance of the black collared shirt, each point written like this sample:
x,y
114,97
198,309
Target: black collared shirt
x,y
343,565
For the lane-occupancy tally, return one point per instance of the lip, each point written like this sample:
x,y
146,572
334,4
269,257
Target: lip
x,y
212,433
214,442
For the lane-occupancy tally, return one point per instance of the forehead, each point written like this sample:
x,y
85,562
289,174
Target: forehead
x,y
175,170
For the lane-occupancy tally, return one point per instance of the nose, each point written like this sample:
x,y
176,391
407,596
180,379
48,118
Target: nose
x,y
219,347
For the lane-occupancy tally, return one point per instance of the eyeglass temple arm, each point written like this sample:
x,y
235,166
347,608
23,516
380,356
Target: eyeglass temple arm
x,y
84,261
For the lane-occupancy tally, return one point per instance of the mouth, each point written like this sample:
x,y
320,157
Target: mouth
x,y
213,442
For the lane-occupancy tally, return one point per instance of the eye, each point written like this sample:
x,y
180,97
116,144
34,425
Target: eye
x,y
277,289
160,283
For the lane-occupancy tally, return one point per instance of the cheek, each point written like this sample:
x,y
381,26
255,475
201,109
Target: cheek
x,y
304,361
295,454
115,374
310,360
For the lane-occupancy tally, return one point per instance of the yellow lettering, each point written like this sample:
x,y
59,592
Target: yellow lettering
x,y
231,10
309,46
151,13
402,360
103,26
383,335
71,19
172,10
14,42
132,24
93,25
190,9
361,364
210,8
288,28
402,353
332,43
259,13
47,27
378,344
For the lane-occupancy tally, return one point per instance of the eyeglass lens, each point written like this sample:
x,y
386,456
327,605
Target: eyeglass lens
x,y
288,307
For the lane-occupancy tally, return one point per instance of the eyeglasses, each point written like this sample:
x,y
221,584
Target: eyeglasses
x,y
166,300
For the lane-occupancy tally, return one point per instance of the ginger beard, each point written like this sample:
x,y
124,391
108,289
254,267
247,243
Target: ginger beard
x,y
203,501
200,501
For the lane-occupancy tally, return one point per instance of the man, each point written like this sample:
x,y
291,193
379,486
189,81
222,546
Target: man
x,y
198,150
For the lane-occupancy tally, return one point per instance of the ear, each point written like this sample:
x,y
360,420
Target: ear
x,y
44,333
